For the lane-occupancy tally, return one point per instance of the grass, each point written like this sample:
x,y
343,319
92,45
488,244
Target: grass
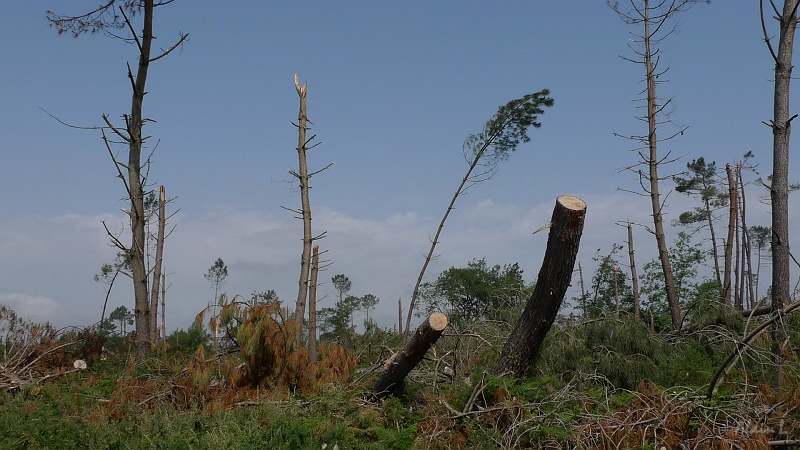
x,y
162,403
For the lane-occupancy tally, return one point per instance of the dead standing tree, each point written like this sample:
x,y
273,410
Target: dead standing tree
x,y
727,283
637,309
312,305
500,136
654,19
157,266
304,213
522,347
105,18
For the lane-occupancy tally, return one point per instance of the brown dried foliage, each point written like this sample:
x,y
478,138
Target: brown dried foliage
x,y
265,365
33,352
683,419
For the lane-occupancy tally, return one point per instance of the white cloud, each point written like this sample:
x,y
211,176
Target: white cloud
x,y
32,307
487,211
48,263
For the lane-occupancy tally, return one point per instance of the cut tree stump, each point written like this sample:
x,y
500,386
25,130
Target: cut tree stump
x,y
525,341
400,364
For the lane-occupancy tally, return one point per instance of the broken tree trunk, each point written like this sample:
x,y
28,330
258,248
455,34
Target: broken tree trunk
x,y
401,363
525,341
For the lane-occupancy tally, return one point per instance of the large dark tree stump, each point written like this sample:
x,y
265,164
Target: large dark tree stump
x,y
399,365
525,341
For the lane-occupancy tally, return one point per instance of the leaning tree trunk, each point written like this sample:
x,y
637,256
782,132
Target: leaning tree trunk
x,y
554,278
397,367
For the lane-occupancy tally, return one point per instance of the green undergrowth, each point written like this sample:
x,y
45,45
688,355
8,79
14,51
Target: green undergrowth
x,y
602,383
66,415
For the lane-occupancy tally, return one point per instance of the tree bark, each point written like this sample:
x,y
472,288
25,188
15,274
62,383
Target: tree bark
x,y
779,186
400,315
583,290
302,177
637,309
781,128
162,223
312,305
554,278
726,285
399,365
134,128
653,162
714,250
163,306
748,245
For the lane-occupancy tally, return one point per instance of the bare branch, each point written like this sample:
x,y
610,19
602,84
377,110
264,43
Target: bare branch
x,y
116,130
116,163
69,124
114,239
320,170
133,32
764,30
183,38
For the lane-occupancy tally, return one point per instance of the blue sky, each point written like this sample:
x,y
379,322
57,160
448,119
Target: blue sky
x,y
394,89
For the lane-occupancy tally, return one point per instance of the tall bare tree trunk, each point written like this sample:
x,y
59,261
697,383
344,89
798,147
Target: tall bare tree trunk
x,y
781,128
522,346
738,263
779,187
714,250
99,19
302,177
747,245
653,162
162,223
637,311
134,124
727,283
312,305
163,306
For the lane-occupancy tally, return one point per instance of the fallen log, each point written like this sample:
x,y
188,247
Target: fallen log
x,y
540,312
401,363
760,311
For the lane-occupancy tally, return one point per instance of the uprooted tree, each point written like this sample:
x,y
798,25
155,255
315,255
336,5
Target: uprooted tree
x,y
525,341
109,18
